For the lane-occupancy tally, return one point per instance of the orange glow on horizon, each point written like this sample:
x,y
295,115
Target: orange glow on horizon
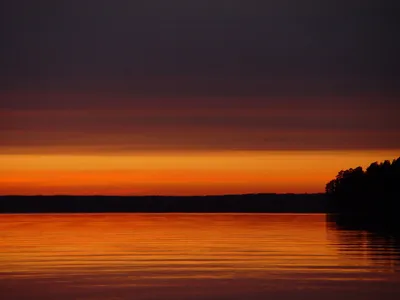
x,y
176,173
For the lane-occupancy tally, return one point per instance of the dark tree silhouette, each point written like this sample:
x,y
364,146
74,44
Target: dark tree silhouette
x,y
248,203
373,193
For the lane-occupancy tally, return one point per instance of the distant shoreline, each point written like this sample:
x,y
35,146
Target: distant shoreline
x,y
242,203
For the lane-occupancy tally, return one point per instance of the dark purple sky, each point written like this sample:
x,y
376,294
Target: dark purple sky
x,y
200,74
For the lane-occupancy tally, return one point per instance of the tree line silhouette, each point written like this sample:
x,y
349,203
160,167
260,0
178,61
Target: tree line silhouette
x,y
372,195
248,203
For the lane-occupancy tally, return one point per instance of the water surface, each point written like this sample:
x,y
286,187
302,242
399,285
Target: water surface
x,y
193,256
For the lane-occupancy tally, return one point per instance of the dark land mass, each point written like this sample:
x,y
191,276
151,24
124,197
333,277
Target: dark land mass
x,y
357,198
367,199
247,203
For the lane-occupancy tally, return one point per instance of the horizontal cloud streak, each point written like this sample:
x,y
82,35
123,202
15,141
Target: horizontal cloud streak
x,y
255,126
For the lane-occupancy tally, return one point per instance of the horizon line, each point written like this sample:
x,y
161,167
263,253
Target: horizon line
x,y
163,195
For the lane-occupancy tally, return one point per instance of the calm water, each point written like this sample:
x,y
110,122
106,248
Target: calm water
x,y
192,256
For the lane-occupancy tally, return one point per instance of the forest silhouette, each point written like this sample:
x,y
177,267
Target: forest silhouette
x,y
367,199
248,203
355,197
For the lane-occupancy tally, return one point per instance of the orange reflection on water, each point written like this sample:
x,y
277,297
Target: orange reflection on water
x,y
220,254
231,240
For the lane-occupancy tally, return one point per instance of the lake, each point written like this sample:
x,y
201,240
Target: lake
x,y
193,256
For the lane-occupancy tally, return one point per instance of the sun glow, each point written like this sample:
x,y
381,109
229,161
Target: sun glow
x,y
178,173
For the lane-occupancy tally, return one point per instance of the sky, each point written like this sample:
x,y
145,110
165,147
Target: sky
x,y
194,97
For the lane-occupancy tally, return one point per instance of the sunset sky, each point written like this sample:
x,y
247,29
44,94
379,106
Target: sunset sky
x,y
194,97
